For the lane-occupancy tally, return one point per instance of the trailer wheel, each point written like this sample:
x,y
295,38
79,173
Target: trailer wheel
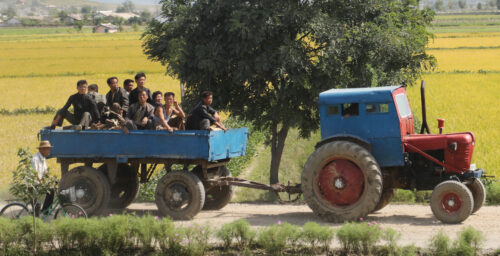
x,y
93,184
216,197
180,195
126,188
478,193
341,181
451,202
385,199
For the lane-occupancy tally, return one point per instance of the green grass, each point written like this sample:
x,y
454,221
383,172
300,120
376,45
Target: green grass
x,y
42,30
466,23
294,157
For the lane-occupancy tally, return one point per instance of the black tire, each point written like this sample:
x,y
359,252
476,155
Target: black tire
x,y
126,188
180,195
385,199
70,211
363,179
15,211
94,186
451,202
478,193
216,197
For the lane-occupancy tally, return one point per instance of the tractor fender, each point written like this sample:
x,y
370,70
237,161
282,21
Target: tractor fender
x,y
355,139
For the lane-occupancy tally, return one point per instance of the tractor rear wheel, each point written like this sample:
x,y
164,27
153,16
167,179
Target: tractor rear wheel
x,y
451,202
94,187
126,188
385,199
341,181
216,197
180,195
478,193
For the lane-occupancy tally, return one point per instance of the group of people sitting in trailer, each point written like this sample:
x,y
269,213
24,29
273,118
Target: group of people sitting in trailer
x,y
131,108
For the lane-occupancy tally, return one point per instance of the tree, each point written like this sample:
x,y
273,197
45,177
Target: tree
x,y
10,12
479,6
462,4
439,5
451,4
62,15
86,9
498,4
145,17
127,6
267,61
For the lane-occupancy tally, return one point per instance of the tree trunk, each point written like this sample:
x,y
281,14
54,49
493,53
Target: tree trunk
x,y
277,144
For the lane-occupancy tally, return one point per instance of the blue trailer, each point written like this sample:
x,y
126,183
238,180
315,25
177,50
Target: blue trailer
x,y
110,165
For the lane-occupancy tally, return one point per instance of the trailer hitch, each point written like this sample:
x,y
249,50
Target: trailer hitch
x,y
276,188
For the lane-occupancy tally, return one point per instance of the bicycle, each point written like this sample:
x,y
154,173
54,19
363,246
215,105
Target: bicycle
x,y
62,206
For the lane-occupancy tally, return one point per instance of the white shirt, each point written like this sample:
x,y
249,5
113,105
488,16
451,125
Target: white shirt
x,y
39,164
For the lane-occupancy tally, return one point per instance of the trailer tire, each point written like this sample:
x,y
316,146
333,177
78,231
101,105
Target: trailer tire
x,y
478,193
95,186
126,188
216,197
451,202
341,181
385,199
179,195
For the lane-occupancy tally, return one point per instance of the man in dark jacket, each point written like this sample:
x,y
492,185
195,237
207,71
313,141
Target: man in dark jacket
x,y
140,80
84,108
203,116
116,95
140,114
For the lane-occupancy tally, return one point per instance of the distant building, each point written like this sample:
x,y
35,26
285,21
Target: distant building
x,y
105,28
111,14
72,18
14,22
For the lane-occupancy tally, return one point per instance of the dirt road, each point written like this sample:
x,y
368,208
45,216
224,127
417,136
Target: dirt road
x,y
415,222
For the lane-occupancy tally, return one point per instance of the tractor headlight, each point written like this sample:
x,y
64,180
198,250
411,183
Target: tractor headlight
x,y
472,167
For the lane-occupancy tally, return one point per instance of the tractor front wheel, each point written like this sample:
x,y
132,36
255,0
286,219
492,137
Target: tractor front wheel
x,y
341,181
451,202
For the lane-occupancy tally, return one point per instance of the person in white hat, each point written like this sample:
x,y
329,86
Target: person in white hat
x,y
40,165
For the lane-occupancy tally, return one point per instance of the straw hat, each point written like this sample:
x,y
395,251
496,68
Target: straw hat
x,y
45,144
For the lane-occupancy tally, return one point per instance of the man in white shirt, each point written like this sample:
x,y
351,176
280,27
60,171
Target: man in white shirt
x,y
40,165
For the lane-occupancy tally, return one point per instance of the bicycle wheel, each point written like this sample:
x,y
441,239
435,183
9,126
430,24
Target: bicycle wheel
x,y
70,210
15,211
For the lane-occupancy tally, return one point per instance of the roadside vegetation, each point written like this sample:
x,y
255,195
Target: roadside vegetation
x,y
151,235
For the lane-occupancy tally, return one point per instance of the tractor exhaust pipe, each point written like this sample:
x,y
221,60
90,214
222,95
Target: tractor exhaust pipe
x,y
424,114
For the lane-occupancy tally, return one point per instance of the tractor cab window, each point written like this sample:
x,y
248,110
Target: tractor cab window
x,y
350,109
333,110
377,108
402,104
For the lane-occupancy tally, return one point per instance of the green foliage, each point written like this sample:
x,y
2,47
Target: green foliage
x,y
315,234
391,237
359,237
27,111
274,238
25,185
404,196
468,242
147,190
440,244
238,230
492,192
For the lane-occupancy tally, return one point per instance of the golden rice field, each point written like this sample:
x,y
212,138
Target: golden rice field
x,y
38,70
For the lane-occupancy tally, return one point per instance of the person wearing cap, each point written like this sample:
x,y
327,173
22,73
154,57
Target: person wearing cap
x,y
39,163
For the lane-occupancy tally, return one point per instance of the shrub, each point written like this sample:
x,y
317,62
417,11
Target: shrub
x,y
116,233
274,238
468,242
192,240
493,193
391,237
357,237
423,196
313,234
439,244
404,196
239,230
